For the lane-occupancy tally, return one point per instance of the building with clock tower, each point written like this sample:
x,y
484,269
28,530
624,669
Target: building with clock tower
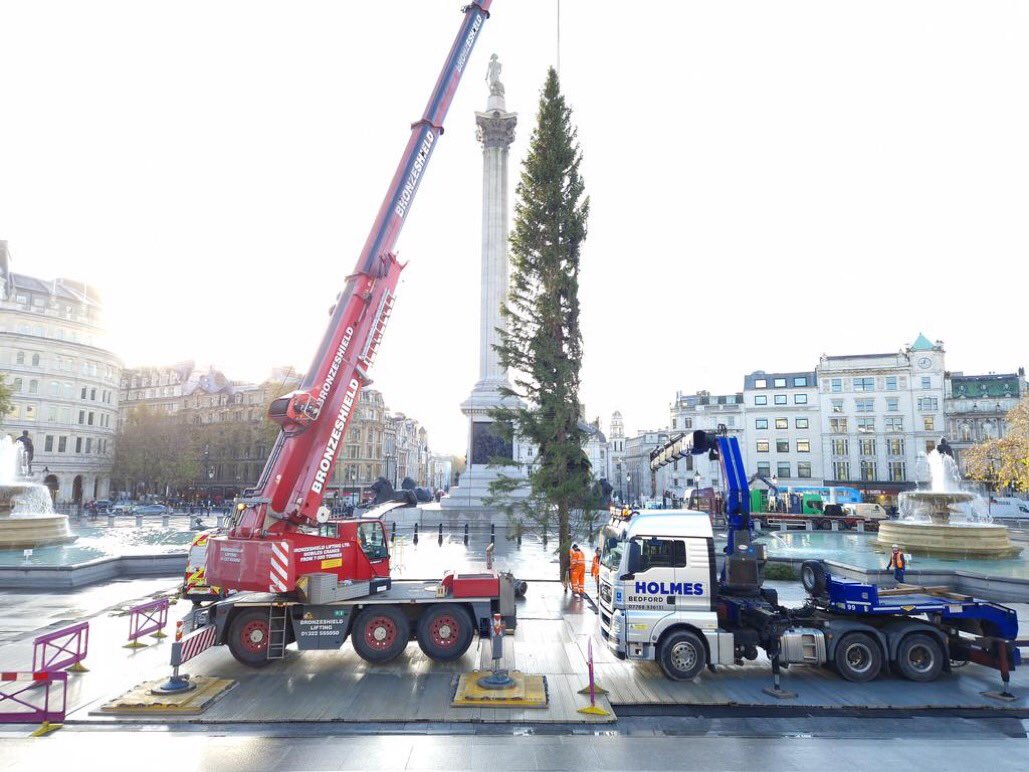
x,y
881,414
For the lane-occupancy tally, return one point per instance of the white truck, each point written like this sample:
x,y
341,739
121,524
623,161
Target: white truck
x,y
657,572
662,599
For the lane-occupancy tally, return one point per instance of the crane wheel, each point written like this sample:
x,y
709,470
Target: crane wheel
x,y
380,633
445,631
249,635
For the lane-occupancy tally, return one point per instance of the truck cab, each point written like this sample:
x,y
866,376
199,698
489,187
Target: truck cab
x,y
658,589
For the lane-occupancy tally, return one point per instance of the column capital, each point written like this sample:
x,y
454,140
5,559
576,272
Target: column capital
x,y
496,128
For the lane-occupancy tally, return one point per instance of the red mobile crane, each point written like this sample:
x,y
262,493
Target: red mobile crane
x,y
292,572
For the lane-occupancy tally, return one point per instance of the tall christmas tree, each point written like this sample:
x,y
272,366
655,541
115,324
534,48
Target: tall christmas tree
x,y
542,344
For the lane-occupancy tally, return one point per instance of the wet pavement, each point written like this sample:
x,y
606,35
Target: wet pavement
x,y
331,710
179,751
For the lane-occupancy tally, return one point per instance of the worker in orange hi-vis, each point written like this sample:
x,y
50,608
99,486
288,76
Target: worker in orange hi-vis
x,y
595,569
577,569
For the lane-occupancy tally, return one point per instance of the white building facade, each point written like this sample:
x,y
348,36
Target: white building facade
x,y
880,415
64,383
688,413
783,436
976,407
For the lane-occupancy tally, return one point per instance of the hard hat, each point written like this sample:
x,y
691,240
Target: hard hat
x,y
896,546
575,546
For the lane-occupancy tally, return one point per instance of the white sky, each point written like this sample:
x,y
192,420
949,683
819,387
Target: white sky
x,y
769,181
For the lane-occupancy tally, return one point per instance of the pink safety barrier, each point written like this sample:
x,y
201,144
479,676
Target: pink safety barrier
x,y
147,618
62,649
23,702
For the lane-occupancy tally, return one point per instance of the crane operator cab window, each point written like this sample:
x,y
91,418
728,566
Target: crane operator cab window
x,y
372,539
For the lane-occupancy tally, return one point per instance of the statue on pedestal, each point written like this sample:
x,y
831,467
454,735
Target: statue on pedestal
x,y
496,88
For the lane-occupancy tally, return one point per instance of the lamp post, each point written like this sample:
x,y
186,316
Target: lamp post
x,y
628,488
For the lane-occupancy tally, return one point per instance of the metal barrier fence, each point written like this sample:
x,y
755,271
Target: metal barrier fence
x,y
23,702
62,649
147,618
420,530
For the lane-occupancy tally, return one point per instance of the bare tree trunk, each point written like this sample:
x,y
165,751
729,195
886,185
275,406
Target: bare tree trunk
x,y
564,538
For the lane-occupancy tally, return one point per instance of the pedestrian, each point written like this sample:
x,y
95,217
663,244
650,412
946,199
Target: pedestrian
x,y
595,569
577,569
898,564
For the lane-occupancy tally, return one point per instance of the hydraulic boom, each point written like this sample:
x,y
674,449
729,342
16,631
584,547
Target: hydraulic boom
x,y
314,419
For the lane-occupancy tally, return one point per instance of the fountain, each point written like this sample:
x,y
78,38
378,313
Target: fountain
x,y
27,517
943,521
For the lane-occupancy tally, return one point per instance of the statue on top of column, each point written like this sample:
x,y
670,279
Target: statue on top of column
x,y
496,88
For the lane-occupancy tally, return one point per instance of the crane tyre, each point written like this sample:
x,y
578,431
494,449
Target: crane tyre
x,y
380,633
858,657
920,657
445,631
249,634
812,576
682,655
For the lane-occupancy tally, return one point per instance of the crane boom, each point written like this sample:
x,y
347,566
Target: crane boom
x,y
315,418
269,545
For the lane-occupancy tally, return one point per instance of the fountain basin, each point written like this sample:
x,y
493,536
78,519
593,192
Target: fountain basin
x,y
21,531
956,540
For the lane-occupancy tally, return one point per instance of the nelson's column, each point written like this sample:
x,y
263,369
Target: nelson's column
x,y
496,131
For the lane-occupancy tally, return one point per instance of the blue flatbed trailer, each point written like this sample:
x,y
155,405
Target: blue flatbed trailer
x,y
861,598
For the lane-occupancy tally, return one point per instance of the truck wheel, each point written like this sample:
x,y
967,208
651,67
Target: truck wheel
x,y
380,633
248,638
812,576
682,656
445,631
858,657
920,657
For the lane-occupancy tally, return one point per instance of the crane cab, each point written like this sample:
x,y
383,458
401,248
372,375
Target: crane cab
x,y
658,591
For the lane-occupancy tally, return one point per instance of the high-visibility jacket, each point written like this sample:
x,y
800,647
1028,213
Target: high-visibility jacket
x,y
576,561
897,560
595,568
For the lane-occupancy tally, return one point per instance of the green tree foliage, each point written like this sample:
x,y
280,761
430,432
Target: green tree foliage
x,y
5,399
154,452
542,345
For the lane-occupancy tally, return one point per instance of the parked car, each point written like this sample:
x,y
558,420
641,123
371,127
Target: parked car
x,y
122,507
151,509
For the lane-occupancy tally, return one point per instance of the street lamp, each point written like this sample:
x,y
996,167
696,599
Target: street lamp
x,y
628,488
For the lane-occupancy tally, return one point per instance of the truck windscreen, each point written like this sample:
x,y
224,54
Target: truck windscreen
x,y
612,554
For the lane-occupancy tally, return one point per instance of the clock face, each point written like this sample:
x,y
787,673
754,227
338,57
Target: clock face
x,y
925,363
